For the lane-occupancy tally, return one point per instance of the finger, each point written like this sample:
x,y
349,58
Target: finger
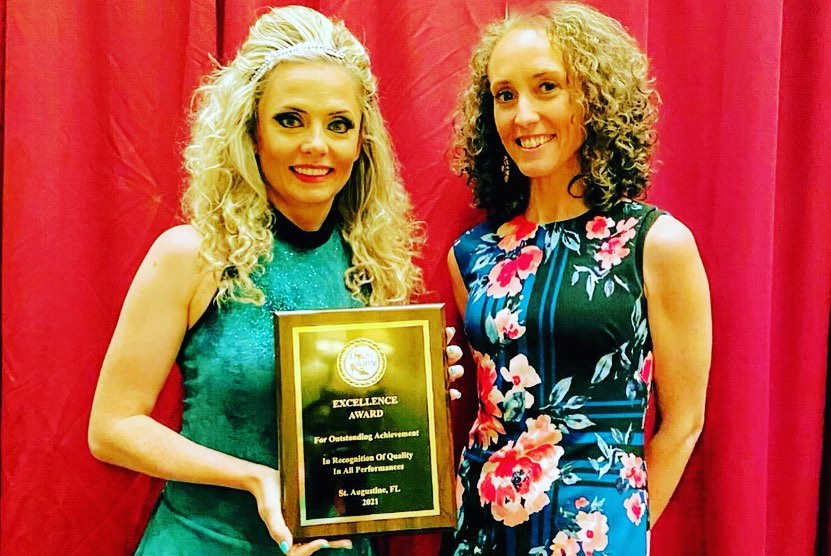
x,y
343,543
449,332
454,353
455,371
304,549
455,394
319,544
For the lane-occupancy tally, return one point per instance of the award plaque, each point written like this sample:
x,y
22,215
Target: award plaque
x,y
364,431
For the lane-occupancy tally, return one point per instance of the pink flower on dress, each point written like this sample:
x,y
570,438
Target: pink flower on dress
x,y
563,545
485,430
611,252
505,276
633,470
598,228
487,427
507,325
515,231
581,502
489,395
645,372
635,508
515,480
593,529
522,376
626,229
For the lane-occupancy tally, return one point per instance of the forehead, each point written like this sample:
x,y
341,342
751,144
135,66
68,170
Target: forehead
x,y
524,50
324,86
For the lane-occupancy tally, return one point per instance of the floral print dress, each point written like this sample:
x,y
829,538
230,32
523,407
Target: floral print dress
x,y
556,317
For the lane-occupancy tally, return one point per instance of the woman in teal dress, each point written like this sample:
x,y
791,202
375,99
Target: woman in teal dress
x,y
293,202
578,299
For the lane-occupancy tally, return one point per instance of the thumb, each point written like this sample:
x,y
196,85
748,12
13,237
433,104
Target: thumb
x,y
278,530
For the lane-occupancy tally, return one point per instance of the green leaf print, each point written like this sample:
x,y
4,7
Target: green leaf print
x,y
571,240
578,421
559,392
514,407
601,370
490,330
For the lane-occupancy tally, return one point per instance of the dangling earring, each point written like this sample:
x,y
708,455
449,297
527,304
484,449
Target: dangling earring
x,y
506,169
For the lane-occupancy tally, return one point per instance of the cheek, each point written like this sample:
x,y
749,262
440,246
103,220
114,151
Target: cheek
x,y
503,127
357,153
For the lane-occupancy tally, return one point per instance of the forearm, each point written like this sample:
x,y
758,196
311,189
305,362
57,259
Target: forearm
x,y
143,444
667,454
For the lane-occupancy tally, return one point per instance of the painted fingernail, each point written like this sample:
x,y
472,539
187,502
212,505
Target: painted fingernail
x,y
284,546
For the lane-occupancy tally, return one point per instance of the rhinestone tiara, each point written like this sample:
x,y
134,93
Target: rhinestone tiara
x,y
301,48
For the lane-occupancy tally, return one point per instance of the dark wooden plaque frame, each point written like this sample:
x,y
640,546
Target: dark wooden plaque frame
x,y
411,343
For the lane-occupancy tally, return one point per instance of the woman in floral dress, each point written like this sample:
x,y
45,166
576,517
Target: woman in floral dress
x,y
579,300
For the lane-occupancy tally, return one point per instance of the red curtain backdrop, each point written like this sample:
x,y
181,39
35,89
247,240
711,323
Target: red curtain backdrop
x,y
95,97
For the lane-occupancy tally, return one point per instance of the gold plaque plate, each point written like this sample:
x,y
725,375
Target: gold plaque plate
x,y
365,441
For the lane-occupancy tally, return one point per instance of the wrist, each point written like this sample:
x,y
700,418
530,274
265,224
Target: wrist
x,y
255,476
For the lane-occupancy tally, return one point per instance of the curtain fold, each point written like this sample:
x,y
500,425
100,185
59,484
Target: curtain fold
x,y
95,101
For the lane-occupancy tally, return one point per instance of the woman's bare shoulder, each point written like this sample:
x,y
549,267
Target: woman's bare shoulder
x,y
174,260
179,241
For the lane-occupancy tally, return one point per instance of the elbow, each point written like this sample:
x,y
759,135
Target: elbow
x,y
696,426
98,440
685,431
95,443
694,432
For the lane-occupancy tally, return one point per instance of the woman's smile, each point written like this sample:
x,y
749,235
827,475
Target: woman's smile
x,y
311,173
533,141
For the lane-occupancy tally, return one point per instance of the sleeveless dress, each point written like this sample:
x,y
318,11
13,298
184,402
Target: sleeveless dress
x,y
227,364
556,317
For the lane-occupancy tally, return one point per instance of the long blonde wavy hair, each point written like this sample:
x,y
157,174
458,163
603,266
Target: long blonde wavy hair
x,y
226,198
613,87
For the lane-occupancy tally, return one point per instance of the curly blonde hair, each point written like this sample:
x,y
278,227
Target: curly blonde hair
x,y
614,89
226,199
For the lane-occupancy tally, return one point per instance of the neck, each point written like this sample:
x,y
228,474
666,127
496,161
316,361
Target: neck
x,y
308,218
550,200
291,233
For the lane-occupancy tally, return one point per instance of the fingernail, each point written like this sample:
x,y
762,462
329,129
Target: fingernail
x,y
284,546
452,330
348,545
324,545
455,350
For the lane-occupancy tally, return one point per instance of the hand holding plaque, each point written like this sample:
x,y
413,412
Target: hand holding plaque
x,y
364,434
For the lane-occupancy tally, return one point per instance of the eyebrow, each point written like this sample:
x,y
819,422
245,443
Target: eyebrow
x,y
544,73
553,72
344,111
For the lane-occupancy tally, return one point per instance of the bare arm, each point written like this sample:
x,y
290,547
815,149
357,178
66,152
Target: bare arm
x,y
457,283
681,327
460,295
168,293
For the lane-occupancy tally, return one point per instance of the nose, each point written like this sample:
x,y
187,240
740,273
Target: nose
x,y
314,141
526,112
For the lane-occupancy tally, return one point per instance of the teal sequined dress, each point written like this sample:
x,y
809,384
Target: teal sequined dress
x,y
227,364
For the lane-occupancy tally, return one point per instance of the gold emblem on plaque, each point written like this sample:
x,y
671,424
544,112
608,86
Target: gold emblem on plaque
x,y
361,362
